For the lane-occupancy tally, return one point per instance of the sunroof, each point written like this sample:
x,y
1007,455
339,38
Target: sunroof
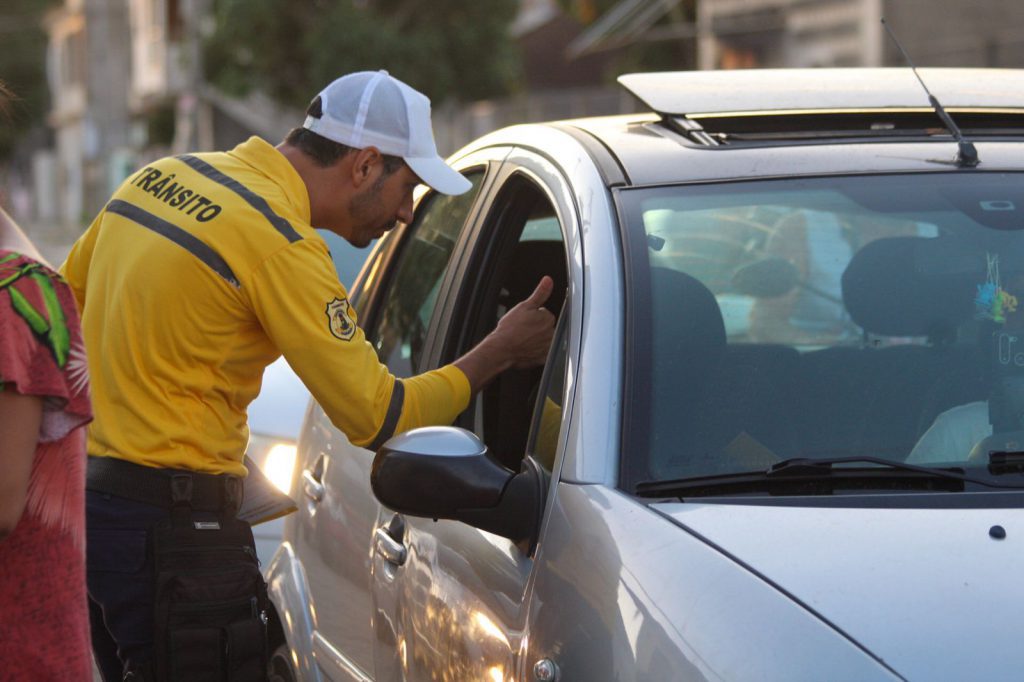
x,y
731,130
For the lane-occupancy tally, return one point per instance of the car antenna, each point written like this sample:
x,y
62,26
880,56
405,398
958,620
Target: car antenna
x,y
967,154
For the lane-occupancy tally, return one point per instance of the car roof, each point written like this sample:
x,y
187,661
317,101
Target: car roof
x,y
649,153
747,124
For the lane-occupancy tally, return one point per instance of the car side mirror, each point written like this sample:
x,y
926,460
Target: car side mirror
x,y
444,472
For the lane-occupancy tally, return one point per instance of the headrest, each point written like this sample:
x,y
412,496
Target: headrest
x,y
911,286
531,260
687,326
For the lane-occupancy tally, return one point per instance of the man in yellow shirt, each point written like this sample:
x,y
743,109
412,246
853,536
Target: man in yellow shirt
x,y
203,269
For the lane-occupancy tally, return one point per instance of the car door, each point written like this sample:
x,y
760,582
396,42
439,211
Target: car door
x,y
450,603
395,300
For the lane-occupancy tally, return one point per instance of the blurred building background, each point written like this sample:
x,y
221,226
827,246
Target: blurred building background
x,y
130,80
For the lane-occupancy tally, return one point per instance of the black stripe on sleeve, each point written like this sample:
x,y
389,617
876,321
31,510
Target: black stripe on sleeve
x,y
387,429
177,235
253,199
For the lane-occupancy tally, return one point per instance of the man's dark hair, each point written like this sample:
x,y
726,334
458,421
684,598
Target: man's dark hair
x,y
328,152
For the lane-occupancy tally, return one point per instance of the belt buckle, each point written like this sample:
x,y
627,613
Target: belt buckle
x,y
181,489
232,493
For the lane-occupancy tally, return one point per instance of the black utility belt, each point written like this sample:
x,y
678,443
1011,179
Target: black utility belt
x,y
164,487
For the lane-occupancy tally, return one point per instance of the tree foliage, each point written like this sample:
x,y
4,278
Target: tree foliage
x,y
457,49
23,68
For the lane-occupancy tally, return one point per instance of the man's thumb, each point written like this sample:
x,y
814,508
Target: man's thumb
x,y
541,294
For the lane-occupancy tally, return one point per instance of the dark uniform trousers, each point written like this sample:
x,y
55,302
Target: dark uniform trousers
x,y
130,514
121,581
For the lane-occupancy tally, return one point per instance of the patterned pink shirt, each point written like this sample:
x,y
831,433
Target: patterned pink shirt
x,y
44,624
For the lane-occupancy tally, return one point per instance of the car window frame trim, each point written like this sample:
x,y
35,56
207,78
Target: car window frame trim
x,y
493,159
371,299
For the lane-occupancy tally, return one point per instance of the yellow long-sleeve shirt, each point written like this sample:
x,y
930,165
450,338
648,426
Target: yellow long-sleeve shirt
x,y
199,272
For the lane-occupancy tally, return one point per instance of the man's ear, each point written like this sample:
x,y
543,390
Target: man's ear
x,y
366,165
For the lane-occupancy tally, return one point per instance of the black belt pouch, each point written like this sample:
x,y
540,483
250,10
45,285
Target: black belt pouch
x,y
210,601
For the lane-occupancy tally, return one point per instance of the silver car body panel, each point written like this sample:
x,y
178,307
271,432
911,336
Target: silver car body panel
x,y
911,583
453,608
622,594
334,663
287,586
332,536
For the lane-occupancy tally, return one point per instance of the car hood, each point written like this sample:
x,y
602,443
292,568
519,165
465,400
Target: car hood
x,y
929,591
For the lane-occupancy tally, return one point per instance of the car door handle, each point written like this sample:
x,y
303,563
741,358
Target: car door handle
x,y
392,550
313,488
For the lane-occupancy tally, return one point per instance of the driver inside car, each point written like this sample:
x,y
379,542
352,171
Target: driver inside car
x,y
956,432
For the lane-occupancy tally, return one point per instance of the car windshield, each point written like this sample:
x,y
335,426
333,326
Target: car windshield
x,y
865,316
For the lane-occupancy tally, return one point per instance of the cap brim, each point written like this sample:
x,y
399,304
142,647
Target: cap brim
x,y
439,175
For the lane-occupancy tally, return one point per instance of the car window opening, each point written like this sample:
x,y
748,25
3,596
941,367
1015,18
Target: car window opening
x,y
410,297
530,246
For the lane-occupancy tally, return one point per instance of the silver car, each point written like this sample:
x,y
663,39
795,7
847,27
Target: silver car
x,y
779,436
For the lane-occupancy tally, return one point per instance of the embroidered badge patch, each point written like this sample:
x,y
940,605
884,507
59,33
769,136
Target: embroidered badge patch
x,y
340,320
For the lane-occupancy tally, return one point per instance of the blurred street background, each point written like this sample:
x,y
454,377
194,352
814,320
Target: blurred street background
x,y
105,85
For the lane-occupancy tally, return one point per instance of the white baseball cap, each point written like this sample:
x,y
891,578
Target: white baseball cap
x,y
374,109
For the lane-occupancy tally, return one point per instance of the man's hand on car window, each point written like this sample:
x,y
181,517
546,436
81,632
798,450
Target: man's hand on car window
x,y
527,329
521,339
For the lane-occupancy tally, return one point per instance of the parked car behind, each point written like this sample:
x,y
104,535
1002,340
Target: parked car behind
x,y
275,418
778,434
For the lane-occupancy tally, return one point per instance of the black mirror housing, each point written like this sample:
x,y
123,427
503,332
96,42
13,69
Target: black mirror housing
x,y
444,472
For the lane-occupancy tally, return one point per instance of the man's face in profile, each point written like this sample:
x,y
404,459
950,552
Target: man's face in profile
x,y
382,205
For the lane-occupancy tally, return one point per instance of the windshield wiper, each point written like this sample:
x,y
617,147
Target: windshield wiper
x,y
805,476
